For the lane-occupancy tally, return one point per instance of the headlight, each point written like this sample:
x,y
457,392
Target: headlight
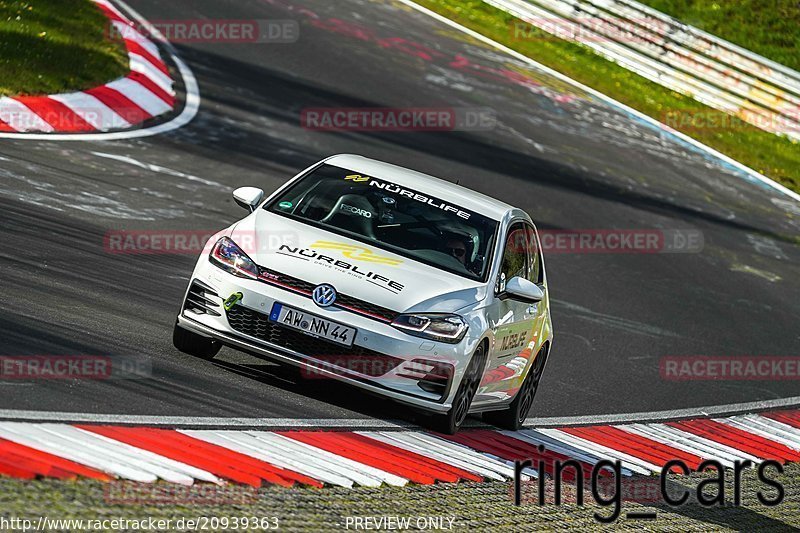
x,y
229,257
437,327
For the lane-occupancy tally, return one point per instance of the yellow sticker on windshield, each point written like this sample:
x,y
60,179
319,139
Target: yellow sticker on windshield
x,y
357,178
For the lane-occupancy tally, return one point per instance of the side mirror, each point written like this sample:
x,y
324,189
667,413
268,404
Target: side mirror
x,y
526,291
248,197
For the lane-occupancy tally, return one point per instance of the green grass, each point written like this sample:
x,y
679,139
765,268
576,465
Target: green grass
x,y
52,46
773,156
767,27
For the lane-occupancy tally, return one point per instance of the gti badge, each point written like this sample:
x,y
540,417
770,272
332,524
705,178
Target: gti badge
x,y
324,295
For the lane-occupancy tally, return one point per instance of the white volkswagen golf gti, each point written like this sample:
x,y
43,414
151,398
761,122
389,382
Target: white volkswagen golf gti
x,y
400,283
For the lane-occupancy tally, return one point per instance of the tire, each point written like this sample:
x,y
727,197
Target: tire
x,y
514,415
450,422
194,344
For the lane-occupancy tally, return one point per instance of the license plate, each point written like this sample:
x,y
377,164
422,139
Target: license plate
x,y
312,325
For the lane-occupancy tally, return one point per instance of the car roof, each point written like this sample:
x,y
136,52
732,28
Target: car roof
x,y
424,183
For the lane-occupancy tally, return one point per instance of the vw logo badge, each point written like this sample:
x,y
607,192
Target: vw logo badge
x,y
324,295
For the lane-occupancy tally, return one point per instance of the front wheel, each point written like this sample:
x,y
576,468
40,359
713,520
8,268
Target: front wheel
x,y
515,414
451,421
194,344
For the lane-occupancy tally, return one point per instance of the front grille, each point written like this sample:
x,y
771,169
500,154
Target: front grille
x,y
289,282
200,299
343,301
354,358
365,308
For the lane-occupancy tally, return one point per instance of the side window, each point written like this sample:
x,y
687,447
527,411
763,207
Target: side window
x,y
514,257
534,256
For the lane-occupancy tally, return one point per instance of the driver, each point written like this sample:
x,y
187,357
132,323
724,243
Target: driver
x,y
457,249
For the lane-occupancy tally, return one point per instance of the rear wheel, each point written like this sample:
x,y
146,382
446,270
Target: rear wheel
x,y
514,415
450,422
194,344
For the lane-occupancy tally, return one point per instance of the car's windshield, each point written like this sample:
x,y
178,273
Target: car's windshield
x,y
396,218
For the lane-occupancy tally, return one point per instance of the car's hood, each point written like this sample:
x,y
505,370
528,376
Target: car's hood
x,y
356,269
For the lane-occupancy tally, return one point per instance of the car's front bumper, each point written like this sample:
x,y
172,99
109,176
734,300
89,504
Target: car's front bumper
x,y
399,375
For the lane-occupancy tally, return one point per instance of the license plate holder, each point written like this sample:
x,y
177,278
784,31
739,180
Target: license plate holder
x,y
312,325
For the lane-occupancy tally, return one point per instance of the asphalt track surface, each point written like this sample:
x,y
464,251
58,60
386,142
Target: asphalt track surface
x,y
571,161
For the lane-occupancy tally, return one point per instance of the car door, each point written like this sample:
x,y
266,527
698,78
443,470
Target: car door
x,y
512,322
536,312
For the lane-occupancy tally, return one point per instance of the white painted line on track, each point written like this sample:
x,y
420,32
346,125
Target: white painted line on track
x,y
671,414
638,114
201,421
377,424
